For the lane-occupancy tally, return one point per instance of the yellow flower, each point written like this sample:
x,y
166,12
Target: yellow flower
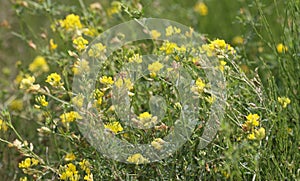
x,y
260,133
157,143
27,83
16,105
39,65
70,116
253,118
72,22
84,165
80,43
170,48
70,173
217,47
80,67
98,94
222,65
155,34
52,45
251,136
155,67
145,116
97,102
3,125
136,58
114,9
252,121
70,157
88,177
34,162
284,101
106,80
23,179
41,100
172,30
97,50
137,159
127,83
177,30
199,86
219,44
90,32
281,48
257,134
200,83
25,164
114,127
237,40
18,78
54,80
28,163
78,100
169,31
210,99
201,8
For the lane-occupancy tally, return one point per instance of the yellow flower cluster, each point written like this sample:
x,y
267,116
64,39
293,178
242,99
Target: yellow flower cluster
x,y
114,9
201,8
154,68
170,30
136,58
257,134
3,125
92,32
39,65
146,119
217,47
281,48
70,157
169,48
97,50
137,159
80,67
71,22
158,143
52,45
27,84
284,101
250,124
70,116
85,165
70,173
126,82
28,162
222,65
155,34
98,97
80,43
41,100
252,121
199,86
78,100
145,116
54,79
114,127
106,80
23,179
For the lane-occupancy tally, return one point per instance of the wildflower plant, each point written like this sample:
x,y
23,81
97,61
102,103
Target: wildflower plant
x,y
150,97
